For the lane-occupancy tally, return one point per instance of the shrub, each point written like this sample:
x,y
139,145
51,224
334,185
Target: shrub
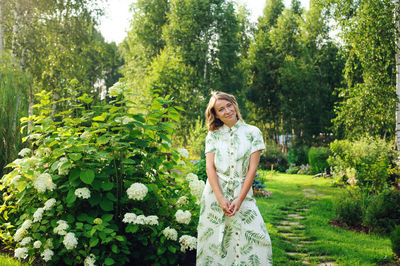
x,y
200,168
298,155
367,163
304,170
273,156
317,157
395,240
350,208
96,184
293,169
382,214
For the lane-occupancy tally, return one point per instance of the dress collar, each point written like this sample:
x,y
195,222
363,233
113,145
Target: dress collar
x,y
225,128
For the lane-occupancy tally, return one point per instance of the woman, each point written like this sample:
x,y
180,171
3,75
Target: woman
x,y
231,230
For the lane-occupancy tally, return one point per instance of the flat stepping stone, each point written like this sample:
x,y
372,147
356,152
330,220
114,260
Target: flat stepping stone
x,y
284,226
296,254
296,216
327,263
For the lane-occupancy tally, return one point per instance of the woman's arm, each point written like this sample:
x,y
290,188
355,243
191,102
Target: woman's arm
x,y
213,180
248,181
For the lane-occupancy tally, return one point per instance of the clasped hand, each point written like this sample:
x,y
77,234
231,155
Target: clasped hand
x,y
230,209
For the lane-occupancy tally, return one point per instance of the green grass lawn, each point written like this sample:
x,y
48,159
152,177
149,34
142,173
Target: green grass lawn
x,y
8,261
313,198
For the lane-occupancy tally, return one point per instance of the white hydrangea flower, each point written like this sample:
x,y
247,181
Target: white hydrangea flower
x,y
140,219
63,170
70,241
182,201
86,135
170,233
90,260
137,191
49,204
47,255
129,218
19,234
21,253
196,188
187,242
37,216
183,152
183,217
191,177
83,193
24,152
26,224
61,228
44,182
152,220
37,244
25,241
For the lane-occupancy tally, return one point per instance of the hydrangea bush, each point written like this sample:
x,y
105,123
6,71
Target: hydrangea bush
x,y
98,186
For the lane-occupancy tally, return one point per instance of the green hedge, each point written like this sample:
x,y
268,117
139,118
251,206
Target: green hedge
x,y
317,158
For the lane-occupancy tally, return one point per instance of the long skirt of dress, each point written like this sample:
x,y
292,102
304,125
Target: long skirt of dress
x,y
241,239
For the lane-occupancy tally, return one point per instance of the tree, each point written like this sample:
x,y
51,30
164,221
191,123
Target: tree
x,y
368,99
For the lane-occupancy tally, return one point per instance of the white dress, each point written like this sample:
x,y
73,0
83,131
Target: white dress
x,y
241,239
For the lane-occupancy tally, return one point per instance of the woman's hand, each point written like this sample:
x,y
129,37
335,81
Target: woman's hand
x,y
225,206
235,206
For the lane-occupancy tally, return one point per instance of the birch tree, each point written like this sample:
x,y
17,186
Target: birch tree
x,y
397,46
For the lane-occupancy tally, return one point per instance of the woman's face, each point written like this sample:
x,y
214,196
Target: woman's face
x,y
225,111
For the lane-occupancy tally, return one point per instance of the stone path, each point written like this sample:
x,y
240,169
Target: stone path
x,y
293,232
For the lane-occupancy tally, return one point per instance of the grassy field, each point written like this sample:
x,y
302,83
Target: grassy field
x,y
297,217
8,261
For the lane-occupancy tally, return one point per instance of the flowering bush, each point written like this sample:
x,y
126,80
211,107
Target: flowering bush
x,y
368,163
97,186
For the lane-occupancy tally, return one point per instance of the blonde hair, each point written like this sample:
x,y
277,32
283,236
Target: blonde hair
x,y
213,123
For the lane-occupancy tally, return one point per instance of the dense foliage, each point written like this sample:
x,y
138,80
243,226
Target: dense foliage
x,y
98,183
368,163
317,158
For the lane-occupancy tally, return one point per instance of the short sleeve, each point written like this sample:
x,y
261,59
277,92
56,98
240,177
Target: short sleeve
x,y
258,142
210,143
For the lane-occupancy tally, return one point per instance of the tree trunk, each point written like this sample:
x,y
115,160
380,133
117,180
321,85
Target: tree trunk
x,y
397,43
1,32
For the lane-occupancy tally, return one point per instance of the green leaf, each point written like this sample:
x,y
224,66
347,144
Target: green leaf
x,y
172,249
119,238
111,196
74,175
131,228
75,156
161,250
254,260
114,248
109,261
139,117
71,196
107,186
103,140
256,238
99,118
87,176
106,205
94,241
94,199
107,217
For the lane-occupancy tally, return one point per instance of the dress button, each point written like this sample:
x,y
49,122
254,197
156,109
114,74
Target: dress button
x,y
236,233
231,143
237,256
232,166
231,153
237,244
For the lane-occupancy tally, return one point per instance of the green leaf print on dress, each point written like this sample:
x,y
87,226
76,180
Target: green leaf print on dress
x,y
246,249
248,215
256,238
208,232
215,219
254,260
